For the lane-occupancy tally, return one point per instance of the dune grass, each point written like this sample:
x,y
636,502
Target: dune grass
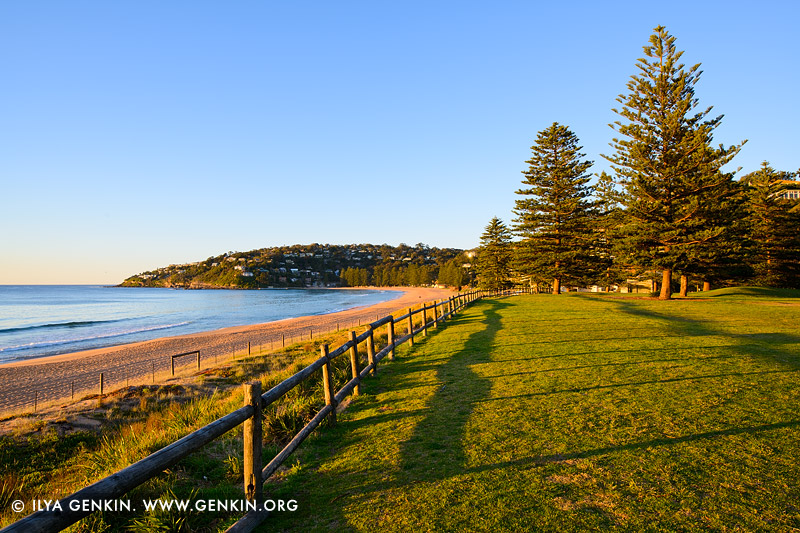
x,y
570,413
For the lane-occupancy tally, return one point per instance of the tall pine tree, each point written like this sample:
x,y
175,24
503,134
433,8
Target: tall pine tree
x,y
773,229
609,217
494,257
670,172
554,215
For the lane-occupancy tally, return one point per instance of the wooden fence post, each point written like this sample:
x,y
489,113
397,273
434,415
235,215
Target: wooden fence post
x,y
172,362
435,314
327,383
391,339
410,327
253,485
424,320
198,356
354,362
101,384
371,351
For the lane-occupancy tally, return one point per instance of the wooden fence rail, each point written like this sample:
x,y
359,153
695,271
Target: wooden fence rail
x,y
125,480
194,352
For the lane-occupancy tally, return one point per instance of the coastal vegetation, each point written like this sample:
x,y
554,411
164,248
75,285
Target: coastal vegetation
x,y
667,212
554,215
494,256
317,265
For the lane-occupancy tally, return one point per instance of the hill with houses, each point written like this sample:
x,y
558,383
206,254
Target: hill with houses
x,y
317,265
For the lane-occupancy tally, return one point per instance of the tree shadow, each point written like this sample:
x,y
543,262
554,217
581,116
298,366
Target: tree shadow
x,y
438,438
534,461
439,427
642,445
638,384
744,343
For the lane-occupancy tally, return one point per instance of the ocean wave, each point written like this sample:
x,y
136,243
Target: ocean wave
x,y
62,342
54,325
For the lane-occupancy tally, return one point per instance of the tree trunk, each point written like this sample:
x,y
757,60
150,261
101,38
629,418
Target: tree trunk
x,y
684,285
556,286
666,285
706,286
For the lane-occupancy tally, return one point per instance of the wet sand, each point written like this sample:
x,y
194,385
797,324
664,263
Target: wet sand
x,y
53,378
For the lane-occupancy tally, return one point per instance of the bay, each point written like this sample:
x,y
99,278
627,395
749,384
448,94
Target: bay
x,y
41,320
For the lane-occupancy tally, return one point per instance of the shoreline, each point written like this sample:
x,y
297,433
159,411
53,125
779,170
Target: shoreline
x,y
67,356
53,377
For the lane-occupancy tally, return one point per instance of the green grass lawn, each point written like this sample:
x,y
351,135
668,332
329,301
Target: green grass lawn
x,y
570,413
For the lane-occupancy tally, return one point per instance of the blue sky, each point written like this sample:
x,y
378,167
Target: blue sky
x,y
139,134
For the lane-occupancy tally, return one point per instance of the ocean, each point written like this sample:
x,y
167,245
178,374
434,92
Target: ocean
x,y
41,320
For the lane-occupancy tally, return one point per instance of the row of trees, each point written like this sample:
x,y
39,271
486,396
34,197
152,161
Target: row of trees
x,y
668,209
452,273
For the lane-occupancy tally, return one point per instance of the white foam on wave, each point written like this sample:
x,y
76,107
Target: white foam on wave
x,y
63,342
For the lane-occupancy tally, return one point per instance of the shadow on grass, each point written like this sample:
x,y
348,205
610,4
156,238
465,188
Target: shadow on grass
x,y
643,445
686,327
638,384
435,448
603,365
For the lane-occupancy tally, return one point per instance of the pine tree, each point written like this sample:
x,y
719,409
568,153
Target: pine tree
x,y
609,217
452,273
670,171
773,229
721,259
554,217
494,256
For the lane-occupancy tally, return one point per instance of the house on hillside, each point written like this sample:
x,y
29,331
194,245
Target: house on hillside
x,y
792,191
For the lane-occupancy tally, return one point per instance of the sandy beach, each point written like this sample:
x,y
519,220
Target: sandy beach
x,y
52,378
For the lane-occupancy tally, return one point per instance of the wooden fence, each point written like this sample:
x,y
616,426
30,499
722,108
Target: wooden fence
x,y
125,480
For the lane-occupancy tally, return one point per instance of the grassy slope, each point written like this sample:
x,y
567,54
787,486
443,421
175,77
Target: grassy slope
x,y
570,413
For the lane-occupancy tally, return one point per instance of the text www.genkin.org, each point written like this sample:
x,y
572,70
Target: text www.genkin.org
x,y
199,505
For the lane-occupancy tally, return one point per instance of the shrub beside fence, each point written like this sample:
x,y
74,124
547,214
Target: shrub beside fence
x,y
250,414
